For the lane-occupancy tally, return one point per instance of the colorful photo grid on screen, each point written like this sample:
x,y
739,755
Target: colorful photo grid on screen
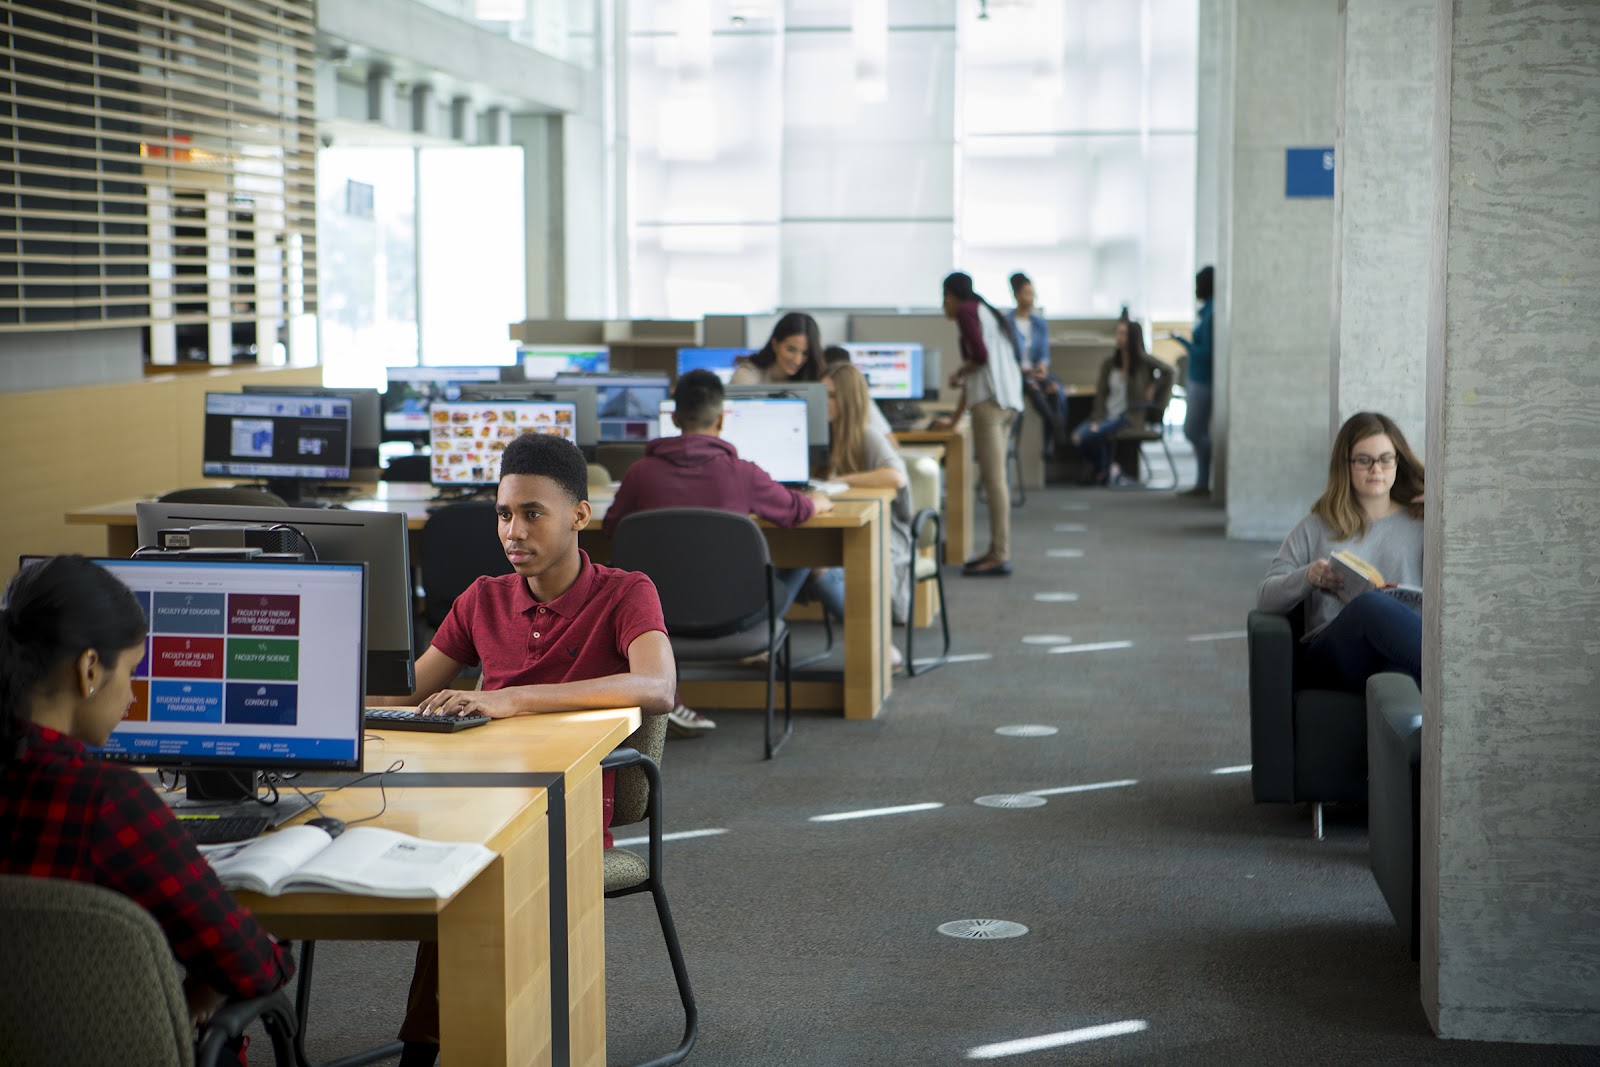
x,y
468,437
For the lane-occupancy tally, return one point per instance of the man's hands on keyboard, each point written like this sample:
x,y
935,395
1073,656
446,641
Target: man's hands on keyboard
x,y
495,704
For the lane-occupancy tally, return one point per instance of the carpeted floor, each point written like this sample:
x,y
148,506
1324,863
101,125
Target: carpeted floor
x,y
1218,931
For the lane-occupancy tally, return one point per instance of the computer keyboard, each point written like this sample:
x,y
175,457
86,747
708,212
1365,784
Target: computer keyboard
x,y
407,719
221,829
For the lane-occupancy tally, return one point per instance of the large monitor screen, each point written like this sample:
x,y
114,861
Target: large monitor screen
x,y
468,436
376,538
412,390
276,435
546,361
719,361
893,371
246,664
768,431
626,404
365,404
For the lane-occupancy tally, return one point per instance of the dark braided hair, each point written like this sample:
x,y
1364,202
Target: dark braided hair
x,y
54,611
959,285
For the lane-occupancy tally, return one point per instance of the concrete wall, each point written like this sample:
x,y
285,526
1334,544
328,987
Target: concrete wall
x,y
1213,190
1280,260
1511,673
1382,209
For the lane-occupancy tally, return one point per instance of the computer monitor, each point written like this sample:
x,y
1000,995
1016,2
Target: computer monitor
x,y
544,362
366,432
584,398
769,431
815,394
285,438
719,361
893,371
376,538
469,435
626,404
412,389
248,666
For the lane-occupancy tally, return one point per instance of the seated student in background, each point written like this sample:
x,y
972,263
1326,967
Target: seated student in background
x,y
70,636
835,354
863,457
1372,506
1128,381
698,469
559,634
792,354
1044,391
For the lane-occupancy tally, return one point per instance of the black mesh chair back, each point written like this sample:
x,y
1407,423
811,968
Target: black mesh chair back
x,y
409,469
224,494
460,544
709,567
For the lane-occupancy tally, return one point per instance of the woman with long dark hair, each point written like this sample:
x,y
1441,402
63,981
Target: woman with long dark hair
x,y
792,354
70,636
1371,506
1128,381
991,388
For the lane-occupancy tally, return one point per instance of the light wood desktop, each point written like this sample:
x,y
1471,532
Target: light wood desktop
x,y
495,935
854,535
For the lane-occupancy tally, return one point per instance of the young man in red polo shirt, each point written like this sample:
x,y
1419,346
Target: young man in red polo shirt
x,y
560,634
700,470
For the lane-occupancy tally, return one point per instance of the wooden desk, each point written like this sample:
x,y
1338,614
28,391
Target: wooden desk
x,y
855,535
960,481
495,936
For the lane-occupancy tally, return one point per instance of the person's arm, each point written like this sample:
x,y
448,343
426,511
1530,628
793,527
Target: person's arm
x,y
778,504
974,353
885,468
881,478
140,851
649,684
1289,578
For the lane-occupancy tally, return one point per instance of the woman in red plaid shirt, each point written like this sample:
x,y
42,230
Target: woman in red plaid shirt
x,y
70,636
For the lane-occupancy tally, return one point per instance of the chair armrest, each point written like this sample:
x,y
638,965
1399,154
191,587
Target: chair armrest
x,y
1394,703
619,758
1270,640
276,1010
922,519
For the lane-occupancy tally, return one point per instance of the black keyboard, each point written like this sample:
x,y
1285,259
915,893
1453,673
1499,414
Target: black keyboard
x,y
221,829
402,719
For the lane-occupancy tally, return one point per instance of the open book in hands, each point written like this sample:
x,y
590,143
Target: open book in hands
x,y
1356,576
365,860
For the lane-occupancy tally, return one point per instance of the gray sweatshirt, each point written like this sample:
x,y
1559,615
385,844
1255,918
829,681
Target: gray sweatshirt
x,y
1393,545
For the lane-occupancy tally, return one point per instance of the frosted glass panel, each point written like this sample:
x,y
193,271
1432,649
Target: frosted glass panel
x,y
865,264
471,253
684,272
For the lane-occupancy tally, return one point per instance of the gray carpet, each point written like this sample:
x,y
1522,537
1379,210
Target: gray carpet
x,y
1223,927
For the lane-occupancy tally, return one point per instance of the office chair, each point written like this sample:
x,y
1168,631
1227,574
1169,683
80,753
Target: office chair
x,y
409,469
1394,798
927,532
1146,424
224,494
638,796
460,544
89,980
1306,744
719,594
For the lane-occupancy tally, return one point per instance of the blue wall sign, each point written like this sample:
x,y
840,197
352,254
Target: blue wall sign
x,y
1308,172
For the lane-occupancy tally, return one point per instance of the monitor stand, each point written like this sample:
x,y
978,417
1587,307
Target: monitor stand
x,y
233,793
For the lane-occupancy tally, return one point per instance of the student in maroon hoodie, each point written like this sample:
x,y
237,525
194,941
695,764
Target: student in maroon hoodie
x,y
701,470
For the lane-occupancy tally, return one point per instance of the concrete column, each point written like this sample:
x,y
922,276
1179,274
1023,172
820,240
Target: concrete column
x,y
543,257
1511,667
1279,262
1213,214
1381,209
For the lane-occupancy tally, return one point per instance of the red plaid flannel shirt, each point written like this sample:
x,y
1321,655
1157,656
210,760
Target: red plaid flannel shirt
x,y
66,814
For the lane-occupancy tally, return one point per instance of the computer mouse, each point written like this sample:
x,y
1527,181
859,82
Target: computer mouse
x,y
334,827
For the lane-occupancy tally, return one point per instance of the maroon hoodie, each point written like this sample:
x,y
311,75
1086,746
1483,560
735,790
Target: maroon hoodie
x,y
697,470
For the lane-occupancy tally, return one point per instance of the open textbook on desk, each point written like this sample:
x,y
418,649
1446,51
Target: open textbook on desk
x,y
366,860
1356,576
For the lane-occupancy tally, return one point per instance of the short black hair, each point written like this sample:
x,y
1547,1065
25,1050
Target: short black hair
x,y
551,457
1018,280
1204,282
698,399
835,354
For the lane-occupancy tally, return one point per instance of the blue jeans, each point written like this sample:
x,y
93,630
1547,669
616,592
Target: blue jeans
x,y
1197,428
1374,633
790,581
828,588
1097,439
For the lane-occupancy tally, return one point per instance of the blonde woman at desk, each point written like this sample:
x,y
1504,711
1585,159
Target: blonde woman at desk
x,y
792,354
991,387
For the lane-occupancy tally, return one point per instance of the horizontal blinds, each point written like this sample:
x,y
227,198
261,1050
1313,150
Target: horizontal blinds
x,y
157,162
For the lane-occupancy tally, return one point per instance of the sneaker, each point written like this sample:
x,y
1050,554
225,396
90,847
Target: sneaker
x,y
686,722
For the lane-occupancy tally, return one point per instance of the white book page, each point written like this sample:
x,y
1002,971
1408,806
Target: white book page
x,y
264,863
389,864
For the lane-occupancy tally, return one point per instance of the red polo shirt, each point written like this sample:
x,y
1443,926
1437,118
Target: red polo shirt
x,y
584,633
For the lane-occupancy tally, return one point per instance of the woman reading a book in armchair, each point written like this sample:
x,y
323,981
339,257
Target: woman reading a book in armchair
x,y
1363,534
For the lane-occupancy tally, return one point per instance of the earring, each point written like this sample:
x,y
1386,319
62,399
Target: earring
x,y
91,690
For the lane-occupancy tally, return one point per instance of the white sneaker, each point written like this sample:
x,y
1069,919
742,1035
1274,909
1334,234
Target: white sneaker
x,y
686,722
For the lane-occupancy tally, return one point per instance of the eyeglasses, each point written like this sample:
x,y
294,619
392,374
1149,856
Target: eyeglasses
x,y
1366,463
